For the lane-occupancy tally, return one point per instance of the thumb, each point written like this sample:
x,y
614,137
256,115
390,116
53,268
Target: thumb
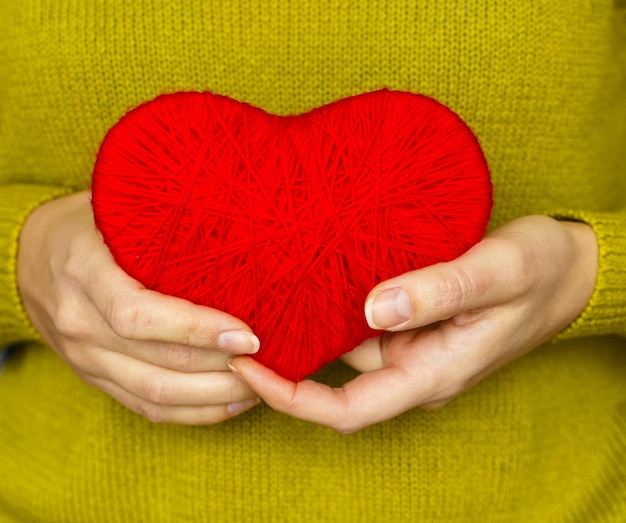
x,y
477,279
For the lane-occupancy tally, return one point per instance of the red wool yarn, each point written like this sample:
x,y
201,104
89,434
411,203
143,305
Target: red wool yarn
x,y
287,222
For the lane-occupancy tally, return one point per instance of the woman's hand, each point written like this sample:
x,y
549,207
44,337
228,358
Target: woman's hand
x,y
450,325
162,357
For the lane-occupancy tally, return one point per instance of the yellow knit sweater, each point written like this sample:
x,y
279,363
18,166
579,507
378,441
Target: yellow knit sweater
x,y
543,85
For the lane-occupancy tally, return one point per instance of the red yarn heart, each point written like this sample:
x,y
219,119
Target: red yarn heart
x,y
288,222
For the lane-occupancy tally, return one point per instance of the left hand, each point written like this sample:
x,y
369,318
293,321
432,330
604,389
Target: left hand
x,y
449,325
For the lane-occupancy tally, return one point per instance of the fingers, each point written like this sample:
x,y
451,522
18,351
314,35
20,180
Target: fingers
x,y
366,357
181,358
484,276
89,329
368,399
163,395
136,313
171,332
133,312
160,356
183,415
456,323
424,368
167,387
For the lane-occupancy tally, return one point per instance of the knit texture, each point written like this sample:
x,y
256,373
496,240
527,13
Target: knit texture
x,y
19,200
542,85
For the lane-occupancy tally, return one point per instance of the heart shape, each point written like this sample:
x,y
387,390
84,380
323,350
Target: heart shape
x,y
287,222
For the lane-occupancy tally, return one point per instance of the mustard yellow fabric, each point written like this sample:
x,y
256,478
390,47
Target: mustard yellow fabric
x,y
542,84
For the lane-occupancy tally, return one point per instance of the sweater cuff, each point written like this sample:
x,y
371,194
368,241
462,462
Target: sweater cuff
x,y
606,310
18,201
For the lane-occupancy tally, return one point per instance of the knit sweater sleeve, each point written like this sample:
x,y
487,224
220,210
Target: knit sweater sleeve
x,y
606,311
18,201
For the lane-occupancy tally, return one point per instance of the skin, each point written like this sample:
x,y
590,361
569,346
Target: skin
x,y
448,326
459,322
160,356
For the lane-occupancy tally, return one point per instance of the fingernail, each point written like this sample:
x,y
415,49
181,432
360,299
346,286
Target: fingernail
x,y
238,342
233,369
388,309
241,406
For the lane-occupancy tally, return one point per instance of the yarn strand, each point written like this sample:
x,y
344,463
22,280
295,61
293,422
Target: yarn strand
x,y
288,222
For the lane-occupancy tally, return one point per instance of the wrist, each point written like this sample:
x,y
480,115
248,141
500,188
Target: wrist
x,y
583,263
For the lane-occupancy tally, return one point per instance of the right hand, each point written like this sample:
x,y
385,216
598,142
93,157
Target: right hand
x,y
162,357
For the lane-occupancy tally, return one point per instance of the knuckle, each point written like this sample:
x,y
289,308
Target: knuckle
x,y
73,264
518,261
515,248
287,402
151,412
239,391
346,421
156,390
192,330
67,320
64,325
124,317
84,360
454,287
179,357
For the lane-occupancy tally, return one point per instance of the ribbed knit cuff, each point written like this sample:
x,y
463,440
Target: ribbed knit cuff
x,y
606,311
16,203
